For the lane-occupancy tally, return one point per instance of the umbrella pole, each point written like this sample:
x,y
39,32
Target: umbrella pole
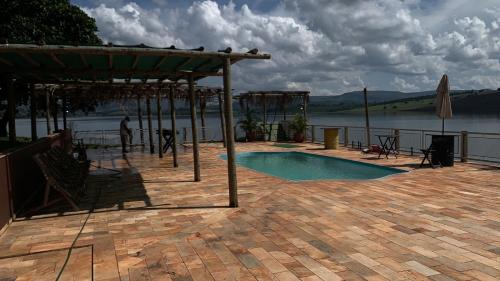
x,y
442,127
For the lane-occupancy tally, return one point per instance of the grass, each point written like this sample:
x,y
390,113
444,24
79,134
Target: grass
x,y
20,141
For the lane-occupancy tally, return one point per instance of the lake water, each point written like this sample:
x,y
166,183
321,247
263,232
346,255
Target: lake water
x,y
480,146
472,123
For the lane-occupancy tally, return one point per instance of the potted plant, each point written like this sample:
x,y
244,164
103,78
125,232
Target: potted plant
x,y
249,125
299,125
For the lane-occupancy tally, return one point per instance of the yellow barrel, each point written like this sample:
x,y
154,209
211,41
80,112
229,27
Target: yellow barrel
x,y
331,138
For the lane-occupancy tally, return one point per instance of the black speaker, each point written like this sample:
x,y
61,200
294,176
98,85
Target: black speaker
x,y
444,148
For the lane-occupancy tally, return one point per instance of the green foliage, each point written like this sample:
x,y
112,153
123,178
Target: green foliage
x,y
299,123
250,123
51,21
54,22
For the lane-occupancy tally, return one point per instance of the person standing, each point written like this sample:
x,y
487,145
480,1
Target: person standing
x,y
125,133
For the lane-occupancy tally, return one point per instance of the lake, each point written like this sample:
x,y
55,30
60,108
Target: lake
x,y
424,121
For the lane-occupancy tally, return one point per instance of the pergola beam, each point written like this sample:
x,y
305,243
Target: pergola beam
x,y
57,60
99,50
103,72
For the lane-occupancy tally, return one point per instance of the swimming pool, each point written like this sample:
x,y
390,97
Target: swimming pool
x,y
299,166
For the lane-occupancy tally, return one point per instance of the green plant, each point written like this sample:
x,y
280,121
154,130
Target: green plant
x,y
249,125
299,123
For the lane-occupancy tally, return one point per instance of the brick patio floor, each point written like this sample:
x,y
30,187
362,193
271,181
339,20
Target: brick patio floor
x,y
152,222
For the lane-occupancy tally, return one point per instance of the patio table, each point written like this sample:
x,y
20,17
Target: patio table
x,y
388,143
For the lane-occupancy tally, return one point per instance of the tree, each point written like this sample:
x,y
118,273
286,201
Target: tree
x,y
42,21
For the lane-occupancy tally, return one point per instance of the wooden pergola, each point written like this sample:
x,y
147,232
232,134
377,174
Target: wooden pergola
x,y
278,98
131,90
67,66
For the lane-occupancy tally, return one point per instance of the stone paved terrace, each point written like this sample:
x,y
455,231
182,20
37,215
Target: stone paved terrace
x,y
153,223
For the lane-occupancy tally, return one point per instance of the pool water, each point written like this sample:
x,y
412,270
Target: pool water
x,y
299,166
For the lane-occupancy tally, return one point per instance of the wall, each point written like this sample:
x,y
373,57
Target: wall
x,y
20,178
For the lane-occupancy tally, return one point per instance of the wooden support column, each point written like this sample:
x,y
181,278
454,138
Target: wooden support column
x,y
34,135
54,116
11,107
47,112
150,125
264,113
365,94
160,128
64,112
305,107
222,119
464,146
231,155
174,129
203,104
194,130
139,116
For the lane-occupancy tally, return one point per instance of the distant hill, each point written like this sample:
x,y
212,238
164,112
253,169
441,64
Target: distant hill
x,y
472,102
352,100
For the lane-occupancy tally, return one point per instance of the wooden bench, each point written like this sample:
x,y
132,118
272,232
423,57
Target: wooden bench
x,y
64,174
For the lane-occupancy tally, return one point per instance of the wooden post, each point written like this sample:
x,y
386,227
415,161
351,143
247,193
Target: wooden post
x,y
346,136
222,120
305,107
174,129
284,110
64,112
367,118
34,135
203,103
231,155
11,107
194,130
139,116
150,125
264,114
56,122
160,128
47,112
396,134
464,151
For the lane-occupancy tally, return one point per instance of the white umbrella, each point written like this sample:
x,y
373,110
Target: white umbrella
x,y
443,101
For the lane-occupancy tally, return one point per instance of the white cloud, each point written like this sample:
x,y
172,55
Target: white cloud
x,y
327,46
403,86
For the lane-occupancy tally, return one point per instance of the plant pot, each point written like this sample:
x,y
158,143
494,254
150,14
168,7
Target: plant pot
x,y
251,136
298,137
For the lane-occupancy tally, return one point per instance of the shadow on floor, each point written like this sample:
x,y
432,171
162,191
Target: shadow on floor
x,y
121,187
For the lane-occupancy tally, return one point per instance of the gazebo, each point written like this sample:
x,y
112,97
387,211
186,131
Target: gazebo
x,y
147,71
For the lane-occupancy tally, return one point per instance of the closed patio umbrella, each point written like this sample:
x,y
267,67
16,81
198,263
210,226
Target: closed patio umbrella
x,y
443,101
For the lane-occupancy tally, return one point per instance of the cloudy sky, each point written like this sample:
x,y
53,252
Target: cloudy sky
x,y
326,46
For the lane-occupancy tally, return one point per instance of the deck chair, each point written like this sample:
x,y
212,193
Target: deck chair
x,y
427,152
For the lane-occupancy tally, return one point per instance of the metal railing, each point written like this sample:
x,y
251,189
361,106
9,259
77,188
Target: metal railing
x,y
109,137
474,146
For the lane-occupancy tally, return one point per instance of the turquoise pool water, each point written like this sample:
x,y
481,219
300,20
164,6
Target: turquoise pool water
x,y
298,166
